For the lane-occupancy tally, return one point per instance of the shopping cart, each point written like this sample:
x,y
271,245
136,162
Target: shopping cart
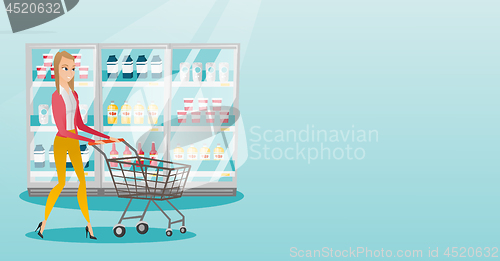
x,y
158,181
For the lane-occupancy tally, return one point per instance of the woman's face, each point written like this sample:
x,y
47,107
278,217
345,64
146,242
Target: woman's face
x,y
66,69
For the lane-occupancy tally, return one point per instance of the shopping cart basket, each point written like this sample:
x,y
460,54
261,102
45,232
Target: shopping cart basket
x,y
134,179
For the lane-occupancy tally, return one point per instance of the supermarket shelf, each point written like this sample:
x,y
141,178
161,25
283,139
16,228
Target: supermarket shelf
x,y
215,129
47,128
109,84
37,84
202,84
132,128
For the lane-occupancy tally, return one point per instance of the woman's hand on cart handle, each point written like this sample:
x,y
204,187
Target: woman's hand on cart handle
x,y
111,140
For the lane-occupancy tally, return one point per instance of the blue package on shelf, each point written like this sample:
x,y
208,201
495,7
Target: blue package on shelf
x,y
127,67
112,66
156,67
142,67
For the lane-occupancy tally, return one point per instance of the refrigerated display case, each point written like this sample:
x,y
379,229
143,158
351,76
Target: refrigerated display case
x,y
181,97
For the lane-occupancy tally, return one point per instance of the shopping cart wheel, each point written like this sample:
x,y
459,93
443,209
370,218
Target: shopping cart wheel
x,y
119,230
142,227
183,229
169,232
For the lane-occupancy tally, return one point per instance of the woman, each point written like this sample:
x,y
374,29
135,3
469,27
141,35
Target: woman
x,y
65,108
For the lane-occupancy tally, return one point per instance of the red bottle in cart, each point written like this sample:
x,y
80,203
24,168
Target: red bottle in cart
x,y
153,154
127,153
113,155
141,153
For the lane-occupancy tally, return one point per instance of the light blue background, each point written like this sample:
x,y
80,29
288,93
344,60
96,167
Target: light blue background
x,y
423,73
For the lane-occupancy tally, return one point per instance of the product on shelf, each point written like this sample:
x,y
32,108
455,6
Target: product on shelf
x,y
39,156
126,113
218,153
138,113
52,74
153,154
142,66
43,114
141,154
52,161
127,153
112,66
210,71
210,115
112,113
202,104
188,104
41,72
224,117
152,113
156,67
113,155
224,72
85,152
47,60
127,67
197,72
84,72
195,116
78,59
217,104
205,152
84,111
178,153
184,72
192,153
181,116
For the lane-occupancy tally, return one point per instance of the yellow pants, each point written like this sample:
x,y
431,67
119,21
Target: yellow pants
x,y
72,147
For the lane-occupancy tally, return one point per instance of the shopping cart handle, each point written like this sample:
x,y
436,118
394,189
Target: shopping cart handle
x,y
105,141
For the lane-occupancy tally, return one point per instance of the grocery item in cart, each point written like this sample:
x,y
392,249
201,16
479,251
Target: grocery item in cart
x,y
217,104
197,72
181,116
224,117
84,72
153,154
48,59
138,113
84,111
39,156
184,72
52,161
142,66
179,153
52,74
156,67
41,71
141,154
192,153
112,113
218,153
205,152
210,71
152,113
188,104
78,59
210,115
127,67
127,153
113,155
202,104
112,66
224,72
195,116
43,113
126,113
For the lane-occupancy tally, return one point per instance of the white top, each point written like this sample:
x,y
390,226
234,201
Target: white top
x,y
70,102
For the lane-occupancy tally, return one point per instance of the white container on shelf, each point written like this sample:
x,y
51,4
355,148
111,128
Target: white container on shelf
x,y
181,116
195,116
127,67
217,104
112,66
184,71
84,72
202,104
48,59
52,74
43,113
78,59
39,156
41,71
156,67
142,66
197,72
224,116
84,111
188,104
224,72
210,71
210,115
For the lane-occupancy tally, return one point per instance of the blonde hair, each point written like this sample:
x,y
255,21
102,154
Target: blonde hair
x,y
57,61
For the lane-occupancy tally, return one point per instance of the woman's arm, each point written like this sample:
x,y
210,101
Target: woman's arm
x,y
85,128
59,113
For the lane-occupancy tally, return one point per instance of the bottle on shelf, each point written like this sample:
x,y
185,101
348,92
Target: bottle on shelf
x,y
184,71
126,113
210,72
156,67
152,113
197,72
179,153
218,153
113,155
141,153
205,152
138,113
142,67
127,153
153,154
192,153
112,113
223,72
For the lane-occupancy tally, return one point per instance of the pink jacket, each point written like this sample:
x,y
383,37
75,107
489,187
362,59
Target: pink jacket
x,y
59,112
